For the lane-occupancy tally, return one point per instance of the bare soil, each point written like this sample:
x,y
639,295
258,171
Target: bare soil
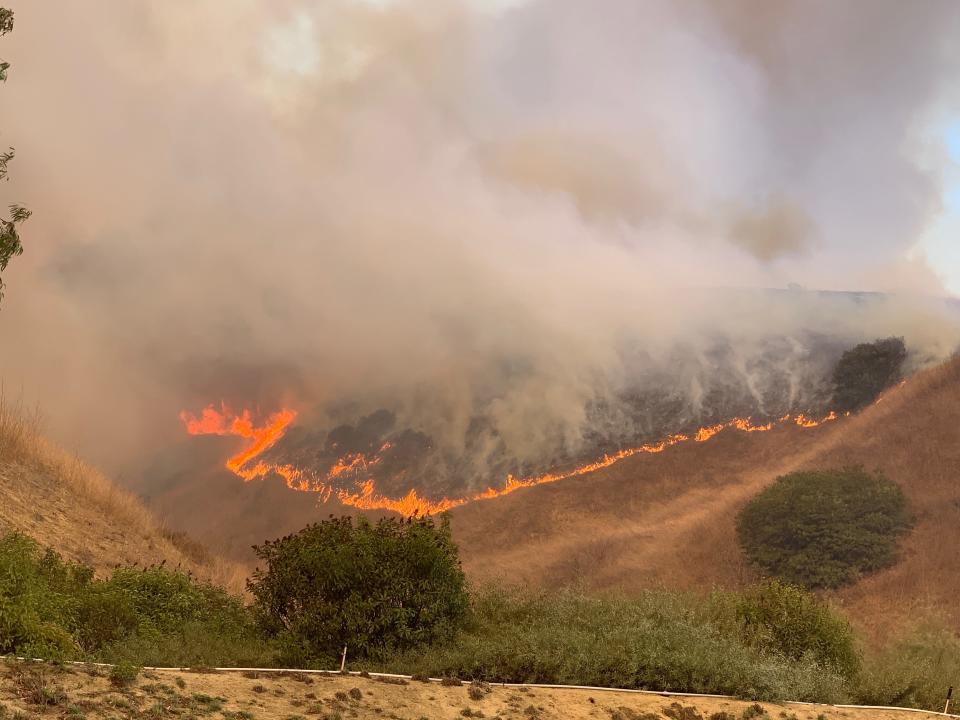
x,y
41,691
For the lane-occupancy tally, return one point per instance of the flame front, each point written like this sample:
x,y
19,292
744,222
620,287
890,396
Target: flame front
x,y
248,464
226,422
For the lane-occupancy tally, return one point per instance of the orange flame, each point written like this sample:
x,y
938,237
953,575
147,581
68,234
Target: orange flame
x,y
366,497
226,422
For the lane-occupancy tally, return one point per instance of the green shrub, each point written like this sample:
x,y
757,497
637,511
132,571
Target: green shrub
x,y
790,620
103,616
823,529
36,598
50,608
123,674
375,588
657,640
196,644
865,371
162,601
156,616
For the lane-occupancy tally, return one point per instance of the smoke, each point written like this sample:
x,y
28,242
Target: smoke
x,y
464,215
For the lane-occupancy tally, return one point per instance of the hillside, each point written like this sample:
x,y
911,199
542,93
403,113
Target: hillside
x,y
650,520
210,503
668,519
646,521
63,503
656,520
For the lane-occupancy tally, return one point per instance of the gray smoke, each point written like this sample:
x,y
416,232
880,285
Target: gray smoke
x,y
508,217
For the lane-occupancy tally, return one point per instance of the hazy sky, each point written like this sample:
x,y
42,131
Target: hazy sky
x,y
942,240
292,45
445,205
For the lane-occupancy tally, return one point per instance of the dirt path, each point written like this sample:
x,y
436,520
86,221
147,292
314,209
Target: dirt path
x,y
36,691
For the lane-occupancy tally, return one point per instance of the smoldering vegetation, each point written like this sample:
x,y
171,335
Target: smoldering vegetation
x,y
760,377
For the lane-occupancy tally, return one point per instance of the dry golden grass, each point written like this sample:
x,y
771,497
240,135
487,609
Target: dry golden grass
x,y
663,520
668,520
81,692
913,436
66,504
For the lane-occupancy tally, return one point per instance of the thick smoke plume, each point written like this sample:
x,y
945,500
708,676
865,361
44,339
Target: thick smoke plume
x,y
508,219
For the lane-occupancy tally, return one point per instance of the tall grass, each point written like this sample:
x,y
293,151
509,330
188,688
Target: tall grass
x,y
657,640
18,428
24,449
22,443
914,670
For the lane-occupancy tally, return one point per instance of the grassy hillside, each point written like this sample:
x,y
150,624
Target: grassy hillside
x,y
668,519
62,502
646,521
913,436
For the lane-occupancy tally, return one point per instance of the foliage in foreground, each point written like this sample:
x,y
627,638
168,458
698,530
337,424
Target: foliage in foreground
x,y
56,609
914,670
657,640
376,588
771,641
823,529
786,619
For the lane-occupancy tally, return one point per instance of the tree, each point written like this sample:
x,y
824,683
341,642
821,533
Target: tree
x,y
10,245
375,588
823,529
863,372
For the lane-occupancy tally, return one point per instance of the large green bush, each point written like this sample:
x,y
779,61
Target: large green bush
x,y
823,529
156,617
865,371
375,588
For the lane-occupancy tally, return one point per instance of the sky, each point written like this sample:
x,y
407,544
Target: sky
x,y
453,210
941,242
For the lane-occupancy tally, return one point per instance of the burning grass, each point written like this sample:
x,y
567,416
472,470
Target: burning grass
x,y
361,491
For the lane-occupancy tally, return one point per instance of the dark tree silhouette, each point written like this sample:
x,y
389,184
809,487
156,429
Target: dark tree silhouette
x,y
10,245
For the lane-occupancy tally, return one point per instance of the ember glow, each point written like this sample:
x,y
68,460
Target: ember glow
x,y
249,465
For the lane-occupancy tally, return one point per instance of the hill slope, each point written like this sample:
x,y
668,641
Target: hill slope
x,y
668,519
65,504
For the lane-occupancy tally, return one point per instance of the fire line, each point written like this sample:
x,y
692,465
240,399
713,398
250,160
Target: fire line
x,y
249,465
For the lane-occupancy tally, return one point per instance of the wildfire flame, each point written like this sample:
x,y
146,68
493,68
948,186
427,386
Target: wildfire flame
x,y
248,465
226,422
